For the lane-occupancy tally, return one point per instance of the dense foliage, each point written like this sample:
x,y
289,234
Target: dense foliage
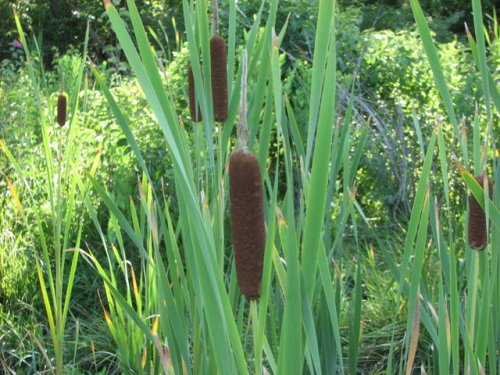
x,y
60,25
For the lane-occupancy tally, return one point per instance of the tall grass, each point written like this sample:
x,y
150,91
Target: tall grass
x,y
204,323
59,234
463,329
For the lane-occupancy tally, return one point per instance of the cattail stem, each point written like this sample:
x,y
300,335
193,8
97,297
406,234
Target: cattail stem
x,y
242,124
194,105
254,317
216,16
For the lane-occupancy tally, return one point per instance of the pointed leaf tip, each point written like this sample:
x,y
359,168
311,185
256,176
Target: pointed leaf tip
x,y
458,164
275,41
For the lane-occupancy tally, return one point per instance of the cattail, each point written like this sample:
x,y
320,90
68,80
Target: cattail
x,y
247,221
218,61
478,236
491,36
194,107
61,109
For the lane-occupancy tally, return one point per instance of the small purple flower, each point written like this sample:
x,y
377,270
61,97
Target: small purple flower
x,y
17,44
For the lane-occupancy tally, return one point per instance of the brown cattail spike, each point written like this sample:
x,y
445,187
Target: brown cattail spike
x,y
478,236
61,109
491,36
247,221
194,109
218,61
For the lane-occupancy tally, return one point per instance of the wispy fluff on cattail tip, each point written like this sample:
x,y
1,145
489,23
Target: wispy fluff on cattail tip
x,y
477,234
61,109
247,221
218,61
193,108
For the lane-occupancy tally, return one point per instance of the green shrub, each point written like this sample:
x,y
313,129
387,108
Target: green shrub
x,y
397,84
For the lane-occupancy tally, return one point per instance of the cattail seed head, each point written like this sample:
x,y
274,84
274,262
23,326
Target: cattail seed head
x,y
218,61
194,107
61,109
247,221
491,35
477,234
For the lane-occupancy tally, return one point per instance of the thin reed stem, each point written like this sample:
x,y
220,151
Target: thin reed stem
x,y
216,16
242,123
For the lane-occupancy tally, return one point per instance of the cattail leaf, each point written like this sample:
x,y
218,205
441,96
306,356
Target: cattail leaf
x,y
477,14
495,94
312,348
46,300
415,333
266,281
294,129
355,323
416,276
443,331
317,189
231,47
433,58
328,280
417,209
443,164
194,106
160,105
484,308
291,354
15,196
321,46
267,126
